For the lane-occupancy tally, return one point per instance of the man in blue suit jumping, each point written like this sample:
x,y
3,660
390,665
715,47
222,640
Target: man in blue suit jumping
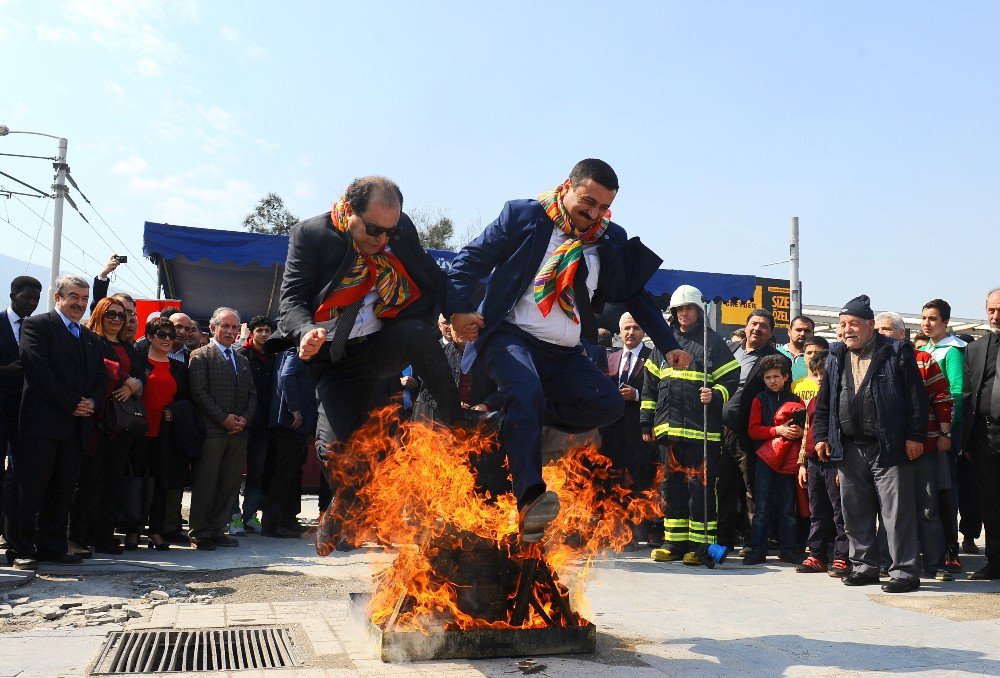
x,y
552,263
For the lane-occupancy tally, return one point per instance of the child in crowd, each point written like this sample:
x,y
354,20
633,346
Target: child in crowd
x,y
807,387
773,423
820,480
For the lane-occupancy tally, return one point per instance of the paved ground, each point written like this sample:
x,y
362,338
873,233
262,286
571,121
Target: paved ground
x,y
653,619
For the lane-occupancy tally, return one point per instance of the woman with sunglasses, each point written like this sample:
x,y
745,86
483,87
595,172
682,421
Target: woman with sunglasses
x,y
166,387
99,489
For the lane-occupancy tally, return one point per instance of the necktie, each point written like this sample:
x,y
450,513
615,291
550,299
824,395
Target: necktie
x,y
626,370
465,388
342,329
230,359
74,329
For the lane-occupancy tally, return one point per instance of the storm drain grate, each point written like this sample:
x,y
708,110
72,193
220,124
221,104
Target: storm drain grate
x,y
224,649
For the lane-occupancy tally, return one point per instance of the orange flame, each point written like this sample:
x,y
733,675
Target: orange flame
x,y
417,493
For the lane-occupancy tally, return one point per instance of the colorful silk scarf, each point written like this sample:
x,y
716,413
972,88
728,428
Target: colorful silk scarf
x,y
382,270
555,280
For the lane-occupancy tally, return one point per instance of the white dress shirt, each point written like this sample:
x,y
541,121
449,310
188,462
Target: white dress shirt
x,y
14,324
622,375
366,323
556,328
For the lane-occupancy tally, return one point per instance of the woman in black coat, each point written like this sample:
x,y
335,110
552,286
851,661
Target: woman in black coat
x,y
158,464
99,487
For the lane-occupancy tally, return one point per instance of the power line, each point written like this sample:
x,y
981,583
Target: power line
x,y
136,280
26,234
40,191
101,217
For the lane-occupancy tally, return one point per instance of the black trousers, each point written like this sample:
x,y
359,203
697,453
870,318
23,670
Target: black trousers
x,y
986,469
971,516
283,471
44,474
731,491
8,438
344,389
99,491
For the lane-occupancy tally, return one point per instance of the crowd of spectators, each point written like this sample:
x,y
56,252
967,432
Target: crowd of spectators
x,y
853,458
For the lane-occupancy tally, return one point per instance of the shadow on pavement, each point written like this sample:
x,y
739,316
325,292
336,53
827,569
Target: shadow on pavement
x,y
774,655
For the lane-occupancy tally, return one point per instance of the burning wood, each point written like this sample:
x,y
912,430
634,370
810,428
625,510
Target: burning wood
x,y
441,499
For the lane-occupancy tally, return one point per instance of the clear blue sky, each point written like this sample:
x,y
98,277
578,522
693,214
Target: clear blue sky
x,y
875,123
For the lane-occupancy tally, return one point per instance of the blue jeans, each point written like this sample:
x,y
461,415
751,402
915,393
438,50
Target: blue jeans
x,y
773,492
544,383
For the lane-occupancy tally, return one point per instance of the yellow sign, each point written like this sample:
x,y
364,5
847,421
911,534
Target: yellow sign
x,y
773,298
735,313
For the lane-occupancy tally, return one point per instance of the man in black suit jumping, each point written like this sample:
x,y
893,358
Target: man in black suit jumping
x,y
64,384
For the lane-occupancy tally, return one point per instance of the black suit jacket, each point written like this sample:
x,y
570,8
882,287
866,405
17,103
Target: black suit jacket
x,y
320,256
627,428
59,370
484,389
736,413
10,387
975,365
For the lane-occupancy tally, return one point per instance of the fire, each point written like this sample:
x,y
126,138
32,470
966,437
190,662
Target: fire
x,y
441,500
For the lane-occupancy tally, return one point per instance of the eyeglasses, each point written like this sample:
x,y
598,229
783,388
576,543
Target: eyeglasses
x,y
115,315
163,334
374,231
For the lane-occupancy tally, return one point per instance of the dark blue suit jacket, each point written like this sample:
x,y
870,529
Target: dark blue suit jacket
x,y
512,249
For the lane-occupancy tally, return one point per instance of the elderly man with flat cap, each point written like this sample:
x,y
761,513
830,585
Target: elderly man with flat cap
x,y
871,419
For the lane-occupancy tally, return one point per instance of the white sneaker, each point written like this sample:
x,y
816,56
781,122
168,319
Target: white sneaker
x,y
236,526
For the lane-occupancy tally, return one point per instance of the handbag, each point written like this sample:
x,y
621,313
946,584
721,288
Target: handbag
x,y
127,417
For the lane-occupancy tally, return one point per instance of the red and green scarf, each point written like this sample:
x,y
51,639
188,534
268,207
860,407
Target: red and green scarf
x,y
381,271
555,280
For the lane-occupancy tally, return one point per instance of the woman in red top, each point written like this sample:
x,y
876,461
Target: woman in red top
x,y
166,383
99,488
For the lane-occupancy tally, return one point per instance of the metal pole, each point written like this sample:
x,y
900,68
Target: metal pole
x,y
59,190
794,285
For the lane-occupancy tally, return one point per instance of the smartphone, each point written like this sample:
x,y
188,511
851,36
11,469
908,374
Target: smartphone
x,y
121,258
798,418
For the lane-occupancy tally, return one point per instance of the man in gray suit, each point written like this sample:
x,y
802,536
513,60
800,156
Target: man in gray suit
x,y
222,388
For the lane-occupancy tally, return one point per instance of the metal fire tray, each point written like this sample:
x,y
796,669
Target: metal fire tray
x,y
396,646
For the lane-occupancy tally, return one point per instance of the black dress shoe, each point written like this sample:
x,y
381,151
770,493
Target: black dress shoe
x,y
485,422
21,561
225,541
969,546
110,547
986,573
280,532
295,525
203,544
176,537
897,585
60,558
860,579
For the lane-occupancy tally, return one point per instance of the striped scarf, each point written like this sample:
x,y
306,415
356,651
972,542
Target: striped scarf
x,y
381,271
555,279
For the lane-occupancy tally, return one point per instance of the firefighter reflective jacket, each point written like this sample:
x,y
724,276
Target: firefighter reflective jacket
x,y
671,407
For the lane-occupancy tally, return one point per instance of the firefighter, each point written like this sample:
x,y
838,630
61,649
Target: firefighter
x,y
672,414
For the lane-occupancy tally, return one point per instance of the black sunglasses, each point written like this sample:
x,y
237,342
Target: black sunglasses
x,y
163,334
115,315
375,231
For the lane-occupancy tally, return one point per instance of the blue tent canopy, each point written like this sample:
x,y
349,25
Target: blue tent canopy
x,y
207,267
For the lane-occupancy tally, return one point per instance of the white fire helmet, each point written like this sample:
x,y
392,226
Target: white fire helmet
x,y
685,294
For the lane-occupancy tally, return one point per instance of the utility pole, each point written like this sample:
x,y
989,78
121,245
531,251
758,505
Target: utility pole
x,y
58,190
794,284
